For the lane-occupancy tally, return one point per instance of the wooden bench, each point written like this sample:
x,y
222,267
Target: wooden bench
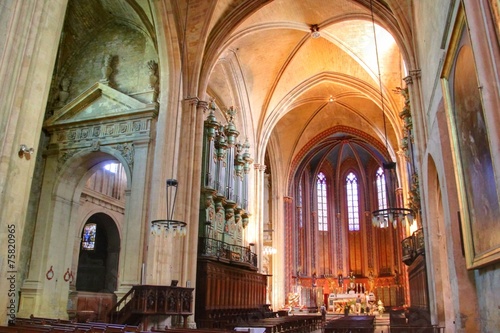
x,y
35,324
287,324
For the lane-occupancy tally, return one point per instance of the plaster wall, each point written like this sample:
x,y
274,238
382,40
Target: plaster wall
x,y
430,27
130,51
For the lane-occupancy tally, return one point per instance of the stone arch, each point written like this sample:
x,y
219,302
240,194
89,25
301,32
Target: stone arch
x,y
98,269
58,220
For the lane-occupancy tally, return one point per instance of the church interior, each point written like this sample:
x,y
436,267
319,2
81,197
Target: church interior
x,y
209,164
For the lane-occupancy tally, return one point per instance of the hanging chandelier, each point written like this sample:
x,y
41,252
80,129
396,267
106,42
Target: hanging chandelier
x,y
269,250
169,226
389,213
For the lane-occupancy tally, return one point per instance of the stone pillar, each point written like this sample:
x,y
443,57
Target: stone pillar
x,y
188,170
287,247
257,227
413,83
135,227
45,292
29,42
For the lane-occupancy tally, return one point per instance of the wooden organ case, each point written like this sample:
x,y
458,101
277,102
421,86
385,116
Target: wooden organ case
x,y
228,286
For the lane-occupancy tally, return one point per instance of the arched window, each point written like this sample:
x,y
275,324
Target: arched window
x,y
299,206
352,202
322,210
381,189
302,242
383,234
88,241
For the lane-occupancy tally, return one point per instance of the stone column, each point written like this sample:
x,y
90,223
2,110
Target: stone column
x,y
257,227
44,293
29,42
413,83
135,226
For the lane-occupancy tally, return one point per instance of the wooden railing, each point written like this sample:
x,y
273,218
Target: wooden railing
x,y
235,255
147,300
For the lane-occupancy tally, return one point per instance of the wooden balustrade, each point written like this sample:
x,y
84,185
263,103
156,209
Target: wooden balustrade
x,y
143,301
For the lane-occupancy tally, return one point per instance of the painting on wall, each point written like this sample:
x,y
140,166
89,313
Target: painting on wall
x,y
479,203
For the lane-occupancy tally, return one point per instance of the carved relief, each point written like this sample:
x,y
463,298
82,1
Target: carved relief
x,y
219,219
136,126
210,208
153,77
123,128
127,151
65,156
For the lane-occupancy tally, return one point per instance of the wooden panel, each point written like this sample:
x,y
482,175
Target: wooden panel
x,y
91,306
224,291
418,284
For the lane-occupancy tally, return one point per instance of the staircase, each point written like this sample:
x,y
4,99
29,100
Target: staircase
x,y
143,301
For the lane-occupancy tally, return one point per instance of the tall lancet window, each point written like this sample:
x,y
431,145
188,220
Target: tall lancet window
x,y
354,234
383,234
352,202
381,189
322,210
299,206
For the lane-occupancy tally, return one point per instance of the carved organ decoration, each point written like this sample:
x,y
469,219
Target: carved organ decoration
x,y
220,221
407,145
226,164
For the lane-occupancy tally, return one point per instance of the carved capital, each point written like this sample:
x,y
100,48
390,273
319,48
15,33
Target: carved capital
x,y
202,105
415,73
194,100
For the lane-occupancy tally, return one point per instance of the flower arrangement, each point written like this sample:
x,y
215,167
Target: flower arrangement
x,y
380,307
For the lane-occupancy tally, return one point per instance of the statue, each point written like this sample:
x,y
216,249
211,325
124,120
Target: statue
x,y
153,76
64,92
106,69
352,279
371,282
396,277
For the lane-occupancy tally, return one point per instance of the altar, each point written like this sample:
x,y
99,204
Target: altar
x,y
337,302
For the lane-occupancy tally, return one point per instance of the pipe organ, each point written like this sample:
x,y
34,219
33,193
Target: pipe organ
x,y
227,277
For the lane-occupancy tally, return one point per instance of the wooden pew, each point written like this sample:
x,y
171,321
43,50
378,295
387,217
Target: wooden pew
x,y
287,324
37,324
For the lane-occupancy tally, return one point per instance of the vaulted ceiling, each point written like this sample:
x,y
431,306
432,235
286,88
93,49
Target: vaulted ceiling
x,y
291,86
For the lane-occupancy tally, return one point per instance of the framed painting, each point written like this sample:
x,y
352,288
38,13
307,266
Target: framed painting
x,y
475,169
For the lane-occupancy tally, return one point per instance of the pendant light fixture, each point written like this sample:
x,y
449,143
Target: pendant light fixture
x,y
169,225
390,213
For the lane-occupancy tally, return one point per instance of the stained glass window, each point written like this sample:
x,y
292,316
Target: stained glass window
x,y
352,202
89,232
381,192
322,209
299,206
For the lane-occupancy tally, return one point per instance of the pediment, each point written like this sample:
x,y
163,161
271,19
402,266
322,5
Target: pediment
x,y
95,104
